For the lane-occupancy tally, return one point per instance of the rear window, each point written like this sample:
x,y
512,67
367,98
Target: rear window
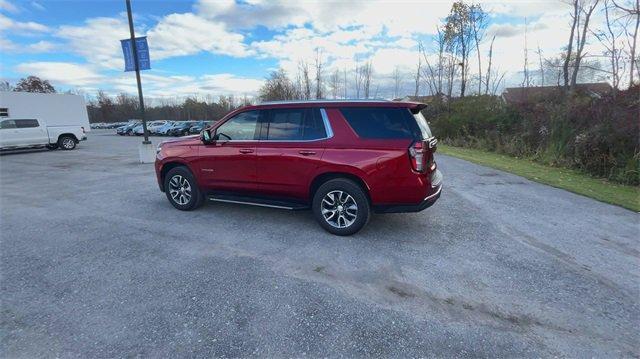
x,y
382,123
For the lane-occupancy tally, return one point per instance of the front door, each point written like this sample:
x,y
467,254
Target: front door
x,y
229,162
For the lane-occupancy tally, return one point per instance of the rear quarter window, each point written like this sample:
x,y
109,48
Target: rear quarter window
x,y
381,123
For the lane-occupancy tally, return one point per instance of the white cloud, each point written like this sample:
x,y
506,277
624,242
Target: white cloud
x,y
186,34
21,27
62,73
7,6
98,40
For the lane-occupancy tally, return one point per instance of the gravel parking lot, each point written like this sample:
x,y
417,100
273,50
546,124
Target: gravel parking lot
x,y
95,262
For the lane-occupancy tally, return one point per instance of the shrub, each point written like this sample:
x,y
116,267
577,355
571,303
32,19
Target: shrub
x,y
599,136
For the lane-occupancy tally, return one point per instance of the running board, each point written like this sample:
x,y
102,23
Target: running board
x,y
256,201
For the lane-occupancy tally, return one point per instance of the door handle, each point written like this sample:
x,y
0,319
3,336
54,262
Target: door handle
x,y
246,150
307,152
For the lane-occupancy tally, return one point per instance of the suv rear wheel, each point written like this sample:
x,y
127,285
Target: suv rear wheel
x,y
181,189
341,207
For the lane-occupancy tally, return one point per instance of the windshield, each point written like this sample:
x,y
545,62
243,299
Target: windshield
x,y
423,125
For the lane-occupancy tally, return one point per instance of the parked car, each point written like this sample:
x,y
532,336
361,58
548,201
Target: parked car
x,y
197,126
127,130
164,129
42,120
180,129
342,159
154,126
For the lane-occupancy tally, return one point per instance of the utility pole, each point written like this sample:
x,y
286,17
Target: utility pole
x,y
137,67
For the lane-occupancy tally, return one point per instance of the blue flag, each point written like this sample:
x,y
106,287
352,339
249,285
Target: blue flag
x,y
144,62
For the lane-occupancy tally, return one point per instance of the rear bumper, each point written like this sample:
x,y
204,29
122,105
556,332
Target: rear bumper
x,y
436,183
404,208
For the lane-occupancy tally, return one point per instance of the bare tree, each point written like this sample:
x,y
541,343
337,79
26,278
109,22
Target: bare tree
x,y
459,37
344,72
367,74
587,11
397,81
334,83
306,82
539,52
417,78
318,66
277,87
358,73
633,13
488,77
609,37
525,81
569,54
479,22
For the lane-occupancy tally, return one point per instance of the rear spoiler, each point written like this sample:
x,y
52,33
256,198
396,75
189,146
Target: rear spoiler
x,y
418,106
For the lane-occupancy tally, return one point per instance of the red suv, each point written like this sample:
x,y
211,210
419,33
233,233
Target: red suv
x,y
344,159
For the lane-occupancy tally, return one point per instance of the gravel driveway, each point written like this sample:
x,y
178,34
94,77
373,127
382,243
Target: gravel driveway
x,y
95,262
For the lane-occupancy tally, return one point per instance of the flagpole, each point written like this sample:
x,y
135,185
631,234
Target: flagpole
x,y
137,67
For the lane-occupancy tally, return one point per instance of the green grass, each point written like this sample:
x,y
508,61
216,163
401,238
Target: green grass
x,y
570,180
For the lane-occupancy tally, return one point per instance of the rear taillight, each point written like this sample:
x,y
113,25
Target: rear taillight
x,y
417,156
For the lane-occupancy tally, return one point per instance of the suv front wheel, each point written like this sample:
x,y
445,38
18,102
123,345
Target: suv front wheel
x,y
341,207
181,189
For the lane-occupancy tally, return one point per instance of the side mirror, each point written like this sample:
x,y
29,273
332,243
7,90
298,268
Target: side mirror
x,y
205,136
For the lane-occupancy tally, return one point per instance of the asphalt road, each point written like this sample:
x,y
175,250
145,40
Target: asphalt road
x,y
95,262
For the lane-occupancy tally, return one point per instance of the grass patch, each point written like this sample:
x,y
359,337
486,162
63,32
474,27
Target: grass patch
x,y
570,180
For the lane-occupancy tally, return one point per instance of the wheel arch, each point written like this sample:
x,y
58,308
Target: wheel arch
x,y
168,166
327,176
67,134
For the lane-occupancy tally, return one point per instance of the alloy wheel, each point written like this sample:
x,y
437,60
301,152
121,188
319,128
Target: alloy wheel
x,y
339,209
180,189
68,143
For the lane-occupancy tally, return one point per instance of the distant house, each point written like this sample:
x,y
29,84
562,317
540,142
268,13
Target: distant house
x,y
423,99
519,95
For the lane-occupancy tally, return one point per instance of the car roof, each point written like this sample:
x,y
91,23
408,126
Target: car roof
x,y
336,103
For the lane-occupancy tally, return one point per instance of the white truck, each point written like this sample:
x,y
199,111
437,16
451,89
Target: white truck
x,y
31,120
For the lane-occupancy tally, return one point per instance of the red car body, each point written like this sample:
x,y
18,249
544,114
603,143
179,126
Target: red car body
x,y
293,170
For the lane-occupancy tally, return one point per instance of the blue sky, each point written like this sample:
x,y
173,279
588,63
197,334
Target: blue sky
x,y
229,47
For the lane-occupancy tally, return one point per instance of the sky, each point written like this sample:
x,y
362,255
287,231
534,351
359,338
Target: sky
x,y
228,47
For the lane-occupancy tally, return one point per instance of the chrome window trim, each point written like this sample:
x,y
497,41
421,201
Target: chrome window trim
x,y
327,128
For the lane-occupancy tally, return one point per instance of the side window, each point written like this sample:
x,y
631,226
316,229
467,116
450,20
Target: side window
x,y
241,127
7,124
294,125
380,122
26,123
285,124
314,126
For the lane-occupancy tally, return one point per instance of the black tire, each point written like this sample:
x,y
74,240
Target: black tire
x,y
66,142
176,176
357,195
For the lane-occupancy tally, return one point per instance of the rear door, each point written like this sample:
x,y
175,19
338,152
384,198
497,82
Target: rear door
x,y
290,148
229,163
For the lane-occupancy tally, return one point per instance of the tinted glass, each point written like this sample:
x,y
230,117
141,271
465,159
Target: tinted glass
x,y
240,127
294,125
26,123
381,123
7,124
314,126
285,124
